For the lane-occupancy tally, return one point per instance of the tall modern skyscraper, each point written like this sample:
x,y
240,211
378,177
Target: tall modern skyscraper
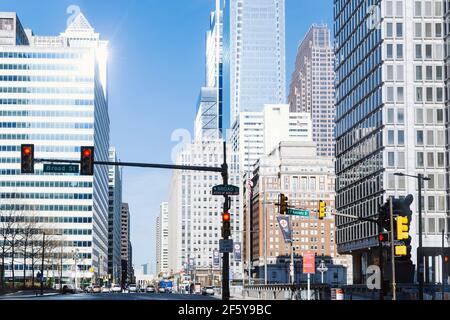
x,y
162,241
53,93
114,219
390,105
126,248
253,55
312,86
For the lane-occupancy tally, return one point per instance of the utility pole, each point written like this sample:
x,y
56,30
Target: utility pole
x,y
391,210
42,265
226,255
380,248
420,268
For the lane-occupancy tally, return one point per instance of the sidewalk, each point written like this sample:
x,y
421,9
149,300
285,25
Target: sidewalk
x,y
27,294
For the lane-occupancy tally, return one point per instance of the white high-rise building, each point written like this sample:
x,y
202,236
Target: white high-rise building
x,y
162,241
53,94
312,86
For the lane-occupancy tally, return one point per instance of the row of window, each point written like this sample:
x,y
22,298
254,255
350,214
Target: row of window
x,y
45,219
47,90
44,207
58,137
46,125
53,102
40,113
65,67
66,196
43,149
59,79
41,55
45,184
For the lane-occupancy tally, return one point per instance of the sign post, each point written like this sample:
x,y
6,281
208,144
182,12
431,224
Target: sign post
x,y
322,269
309,266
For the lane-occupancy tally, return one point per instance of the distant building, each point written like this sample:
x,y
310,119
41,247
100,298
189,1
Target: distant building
x,y
312,86
114,220
126,248
294,169
162,241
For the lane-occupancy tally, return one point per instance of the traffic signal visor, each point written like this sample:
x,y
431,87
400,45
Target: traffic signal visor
x,y
226,217
87,161
402,228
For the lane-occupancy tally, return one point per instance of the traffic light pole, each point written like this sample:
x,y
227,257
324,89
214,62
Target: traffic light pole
x,y
391,210
226,255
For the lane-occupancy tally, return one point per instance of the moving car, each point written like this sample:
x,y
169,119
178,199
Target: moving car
x,y
116,288
96,289
132,288
208,291
68,288
88,289
150,289
165,286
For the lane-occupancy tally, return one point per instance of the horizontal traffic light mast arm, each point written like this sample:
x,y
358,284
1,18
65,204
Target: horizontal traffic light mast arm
x,y
355,217
138,165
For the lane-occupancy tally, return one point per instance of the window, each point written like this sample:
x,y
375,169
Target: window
x,y
390,94
419,137
428,32
401,116
438,30
418,53
391,159
419,76
390,113
400,72
399,30
439,73
401,137
391,139
418,8
418,30
430,159
439,94
399,9
400,94
389,30
428,51
389,51
441,159
420,160
390,73
419,94
400,51
429,94
419,116
429,73
430,138
401,159
389,9
431,221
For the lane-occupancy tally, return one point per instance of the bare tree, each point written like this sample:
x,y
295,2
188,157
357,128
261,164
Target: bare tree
x,y
29,228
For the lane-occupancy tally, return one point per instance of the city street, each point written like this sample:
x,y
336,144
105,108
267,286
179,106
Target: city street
x,y
116,297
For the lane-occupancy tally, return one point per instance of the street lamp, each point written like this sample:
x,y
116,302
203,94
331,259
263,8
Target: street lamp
x,y
421,178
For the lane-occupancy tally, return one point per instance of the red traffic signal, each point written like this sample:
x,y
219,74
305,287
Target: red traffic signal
x,y
226,217
27,158
383,237
87,161
446,259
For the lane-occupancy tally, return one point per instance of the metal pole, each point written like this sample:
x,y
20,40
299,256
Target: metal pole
x,y
265,234
226,255
42,265
309,286
380,249
61,272
419,248
292,269
391,210
443,263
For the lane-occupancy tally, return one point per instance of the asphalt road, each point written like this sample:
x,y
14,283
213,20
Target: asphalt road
x,y
125,296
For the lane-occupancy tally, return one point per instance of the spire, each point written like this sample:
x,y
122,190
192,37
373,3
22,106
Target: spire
x,y
80,24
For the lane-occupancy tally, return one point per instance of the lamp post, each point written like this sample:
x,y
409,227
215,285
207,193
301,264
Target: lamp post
x,y
421,178
42,265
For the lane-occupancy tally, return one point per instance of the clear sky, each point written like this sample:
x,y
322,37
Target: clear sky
x,y
157,67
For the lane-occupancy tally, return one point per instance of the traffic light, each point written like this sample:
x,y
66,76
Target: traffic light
x,y
383,237
283,204
87,161
226,225
27,158
322,209
402,228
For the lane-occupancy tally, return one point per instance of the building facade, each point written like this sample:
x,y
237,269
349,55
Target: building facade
x,y
125,247
312,86
114,219
162,241
294,169
390,105
53,94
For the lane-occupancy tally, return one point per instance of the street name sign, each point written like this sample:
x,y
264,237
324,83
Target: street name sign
x,y
61,168
226,246
225,190
298,212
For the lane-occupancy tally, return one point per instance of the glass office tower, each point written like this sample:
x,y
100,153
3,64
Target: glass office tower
x,y
53,93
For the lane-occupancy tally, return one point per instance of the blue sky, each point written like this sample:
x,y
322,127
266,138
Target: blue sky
x,y
157,66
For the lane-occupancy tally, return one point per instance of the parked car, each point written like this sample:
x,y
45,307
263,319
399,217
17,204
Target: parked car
x,y
68,288
88,289
132,288
208,291
150,289
96,289
105,289
162,290
116,288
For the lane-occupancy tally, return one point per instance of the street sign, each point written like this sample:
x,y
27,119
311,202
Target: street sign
x,y
60,168
298,212
226,246
225,190
309,263
322,267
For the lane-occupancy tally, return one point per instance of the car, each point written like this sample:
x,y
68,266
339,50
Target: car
x,y
132,288
116,288
105,289
162,290
68,288
88,289
96,289
150,289
208,291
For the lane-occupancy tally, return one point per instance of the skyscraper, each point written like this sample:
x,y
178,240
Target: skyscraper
x,y
53,94
162,241
390,106
126,248
114,219
312,86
